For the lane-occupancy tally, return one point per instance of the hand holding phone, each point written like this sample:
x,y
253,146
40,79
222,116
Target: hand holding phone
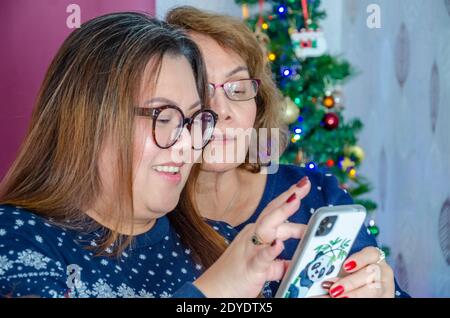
x,y
322,251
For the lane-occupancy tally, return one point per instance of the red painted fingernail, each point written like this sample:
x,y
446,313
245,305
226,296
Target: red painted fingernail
x,y
302,182
291,198
336,291
350,265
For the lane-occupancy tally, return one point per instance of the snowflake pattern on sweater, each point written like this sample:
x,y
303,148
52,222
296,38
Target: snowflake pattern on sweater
x,y
39,258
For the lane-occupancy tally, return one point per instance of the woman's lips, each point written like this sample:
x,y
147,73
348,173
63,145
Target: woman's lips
x,y
170,172
224,139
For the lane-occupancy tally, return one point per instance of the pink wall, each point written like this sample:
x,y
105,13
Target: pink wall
x,y
31,32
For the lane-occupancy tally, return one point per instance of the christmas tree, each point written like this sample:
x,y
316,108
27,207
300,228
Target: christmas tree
x,y
310,80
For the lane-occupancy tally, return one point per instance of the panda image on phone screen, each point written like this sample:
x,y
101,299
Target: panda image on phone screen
x,y
318,268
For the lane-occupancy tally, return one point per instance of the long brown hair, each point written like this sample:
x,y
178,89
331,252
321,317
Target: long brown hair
x,y
88,95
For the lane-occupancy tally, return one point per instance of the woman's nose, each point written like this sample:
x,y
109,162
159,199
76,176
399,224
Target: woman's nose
x,y
185,140
221,105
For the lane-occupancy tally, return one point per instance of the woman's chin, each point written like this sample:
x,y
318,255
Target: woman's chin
x,y
162,208
219,167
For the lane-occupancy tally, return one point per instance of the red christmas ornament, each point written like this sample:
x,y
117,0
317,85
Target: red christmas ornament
x,y
331,121
330,163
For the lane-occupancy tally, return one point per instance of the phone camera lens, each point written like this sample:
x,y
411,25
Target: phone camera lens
x,y
326,225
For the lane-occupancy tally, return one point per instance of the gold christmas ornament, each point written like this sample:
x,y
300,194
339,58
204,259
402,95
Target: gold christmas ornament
x,y
328,101
347,163
355,151
291,111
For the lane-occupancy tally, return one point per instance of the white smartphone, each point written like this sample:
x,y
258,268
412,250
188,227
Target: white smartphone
x,y
322,251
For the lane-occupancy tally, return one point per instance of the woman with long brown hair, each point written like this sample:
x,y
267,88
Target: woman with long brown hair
x,y
237,191
87,208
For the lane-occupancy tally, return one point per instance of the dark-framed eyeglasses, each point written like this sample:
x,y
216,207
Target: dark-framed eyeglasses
x,y
240,90
168,122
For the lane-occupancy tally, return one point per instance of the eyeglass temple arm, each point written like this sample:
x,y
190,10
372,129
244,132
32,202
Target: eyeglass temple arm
x,y
146,112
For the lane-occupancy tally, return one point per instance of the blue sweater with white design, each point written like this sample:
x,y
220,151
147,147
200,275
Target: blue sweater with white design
x,y
41,259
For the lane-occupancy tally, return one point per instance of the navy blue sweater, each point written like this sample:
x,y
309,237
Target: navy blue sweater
x,y
38,258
